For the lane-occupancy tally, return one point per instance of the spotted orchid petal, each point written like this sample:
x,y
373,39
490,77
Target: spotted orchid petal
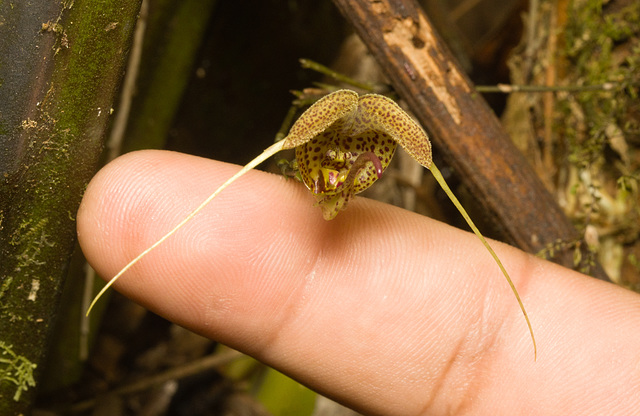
x,y
352,126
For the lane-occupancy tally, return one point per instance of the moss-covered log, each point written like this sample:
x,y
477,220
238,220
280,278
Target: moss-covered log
x,y
60,67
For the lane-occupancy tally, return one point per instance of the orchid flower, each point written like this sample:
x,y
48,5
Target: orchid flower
x,y
343,144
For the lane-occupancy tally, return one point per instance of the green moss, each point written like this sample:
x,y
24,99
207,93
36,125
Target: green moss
x,y
32,238
15,369
582,263
598,129
86,51
591,39
587,153
62,140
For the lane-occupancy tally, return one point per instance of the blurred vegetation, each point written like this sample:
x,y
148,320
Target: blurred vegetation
x,y
584,142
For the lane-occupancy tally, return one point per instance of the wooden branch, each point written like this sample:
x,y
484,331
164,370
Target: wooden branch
x,y
461,125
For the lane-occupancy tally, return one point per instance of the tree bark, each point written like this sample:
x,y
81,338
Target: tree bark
x,y
61,64
461,125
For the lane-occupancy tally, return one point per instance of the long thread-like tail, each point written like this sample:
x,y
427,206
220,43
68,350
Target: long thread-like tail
x,y
438,176
270,151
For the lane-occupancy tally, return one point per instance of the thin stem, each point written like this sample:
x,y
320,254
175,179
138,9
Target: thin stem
x,y
508,89
440,179
309,64
286,123
114,145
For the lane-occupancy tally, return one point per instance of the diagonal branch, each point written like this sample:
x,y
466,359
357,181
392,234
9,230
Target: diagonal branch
x,y
462,126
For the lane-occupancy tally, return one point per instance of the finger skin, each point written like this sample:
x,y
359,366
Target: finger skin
x,y
384,310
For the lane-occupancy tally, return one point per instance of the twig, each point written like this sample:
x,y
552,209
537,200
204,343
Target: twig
x,y
548,98
114,145
286,123
508,89
195,367
309,64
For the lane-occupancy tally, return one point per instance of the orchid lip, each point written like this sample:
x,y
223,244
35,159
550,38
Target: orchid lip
x,y
361,162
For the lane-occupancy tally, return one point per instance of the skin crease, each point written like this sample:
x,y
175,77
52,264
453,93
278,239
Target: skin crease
x,y
386,311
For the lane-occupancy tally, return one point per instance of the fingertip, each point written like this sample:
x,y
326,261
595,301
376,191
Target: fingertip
x,y
142,194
